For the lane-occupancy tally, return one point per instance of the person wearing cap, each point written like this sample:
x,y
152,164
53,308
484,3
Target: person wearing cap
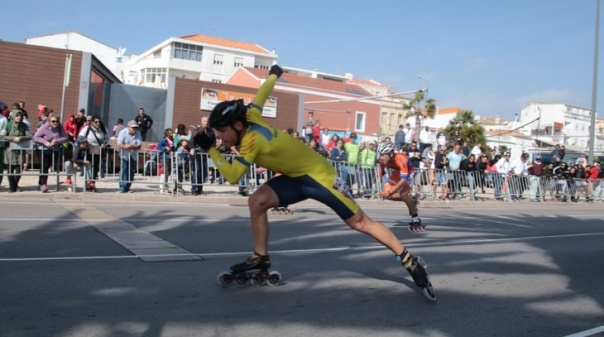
x,y
79,161
535,171
129,142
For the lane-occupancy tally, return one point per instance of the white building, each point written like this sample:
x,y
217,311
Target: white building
x,y
112,58
199,57
557,123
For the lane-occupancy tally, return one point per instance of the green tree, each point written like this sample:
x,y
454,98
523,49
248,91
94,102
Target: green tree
x,y
469,130
415,109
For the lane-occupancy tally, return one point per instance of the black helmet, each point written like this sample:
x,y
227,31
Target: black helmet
x,y
227,113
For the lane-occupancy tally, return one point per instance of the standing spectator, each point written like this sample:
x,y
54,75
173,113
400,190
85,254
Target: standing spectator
x,y
368,161
503,168
455,138
600,170
477,150
482,169
325,138
408,135
50,136
455,157
425,138
310,122
581,160
441,138
14,111
440,167
22,107
165,150
97,137
399,138
316,132
71,127
117,127
352,150
200,161
17,134
465,149
144,122
3,128
535,171
562,152
518,180
129,142
468,165
337,155
80,120
415,159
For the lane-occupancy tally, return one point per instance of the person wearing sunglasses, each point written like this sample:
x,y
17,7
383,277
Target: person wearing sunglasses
x,y
50,137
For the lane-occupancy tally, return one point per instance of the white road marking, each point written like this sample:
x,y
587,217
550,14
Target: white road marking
x,y
586,333
304,251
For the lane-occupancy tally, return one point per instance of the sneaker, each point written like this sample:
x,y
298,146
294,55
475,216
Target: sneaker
x,y
68,181
44,188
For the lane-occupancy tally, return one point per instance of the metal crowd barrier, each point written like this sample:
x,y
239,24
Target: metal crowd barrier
x,y
179,173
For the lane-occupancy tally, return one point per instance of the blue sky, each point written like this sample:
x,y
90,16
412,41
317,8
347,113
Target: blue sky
x,y
491,57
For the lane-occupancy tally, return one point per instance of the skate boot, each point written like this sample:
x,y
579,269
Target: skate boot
x,y
416,266
415,226
253,271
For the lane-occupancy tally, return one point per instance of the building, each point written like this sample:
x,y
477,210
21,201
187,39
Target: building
x,y
111,58
340,106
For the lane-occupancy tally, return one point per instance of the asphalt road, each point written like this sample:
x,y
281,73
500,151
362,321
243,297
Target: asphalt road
x,y
71,267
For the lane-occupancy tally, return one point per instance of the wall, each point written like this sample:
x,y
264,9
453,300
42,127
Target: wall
x,y
187,100
35,75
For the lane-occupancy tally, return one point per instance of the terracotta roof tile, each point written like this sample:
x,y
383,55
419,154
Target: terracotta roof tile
x,y
317,83
226,43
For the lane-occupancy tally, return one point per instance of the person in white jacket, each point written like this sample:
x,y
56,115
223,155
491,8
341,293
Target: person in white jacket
x,y
503,167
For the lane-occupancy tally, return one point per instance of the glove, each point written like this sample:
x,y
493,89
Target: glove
x,y
205,139
276,70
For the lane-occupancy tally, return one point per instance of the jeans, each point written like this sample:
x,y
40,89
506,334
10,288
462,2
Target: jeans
x,y
127,168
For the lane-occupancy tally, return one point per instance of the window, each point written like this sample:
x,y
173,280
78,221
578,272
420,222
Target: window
x,y
391,122
154,76
360,121
261,66
238,62
216,81
186,51
218,59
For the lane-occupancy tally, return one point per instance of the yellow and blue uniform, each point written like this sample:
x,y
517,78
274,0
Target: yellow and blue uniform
x,y
305,173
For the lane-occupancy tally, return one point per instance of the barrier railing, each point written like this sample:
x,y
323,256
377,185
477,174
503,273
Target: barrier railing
x,y
179,173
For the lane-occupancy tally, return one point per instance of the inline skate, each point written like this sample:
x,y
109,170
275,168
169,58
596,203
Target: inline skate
x,y
416,226
253,271
416,267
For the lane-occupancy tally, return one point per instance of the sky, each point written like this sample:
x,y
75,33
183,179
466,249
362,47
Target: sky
x,y
490,57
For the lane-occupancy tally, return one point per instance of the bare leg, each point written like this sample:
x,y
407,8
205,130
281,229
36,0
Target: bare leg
x,y
259,203
364,224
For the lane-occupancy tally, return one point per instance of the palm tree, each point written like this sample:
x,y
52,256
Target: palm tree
x,y
415,110
469,129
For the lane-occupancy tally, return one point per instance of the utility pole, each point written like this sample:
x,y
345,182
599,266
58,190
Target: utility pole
x,y
594,92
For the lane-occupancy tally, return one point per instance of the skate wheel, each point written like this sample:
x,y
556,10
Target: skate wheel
x,y
429,292
224,279
257,279
273,279
241,280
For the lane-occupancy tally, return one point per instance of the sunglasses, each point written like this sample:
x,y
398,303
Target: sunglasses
x,y
54,121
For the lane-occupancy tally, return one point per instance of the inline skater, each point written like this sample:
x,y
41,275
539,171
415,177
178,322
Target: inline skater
x,y
304,174
397,186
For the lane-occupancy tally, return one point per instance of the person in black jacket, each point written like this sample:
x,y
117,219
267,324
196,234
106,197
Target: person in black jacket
x,y
468,165
144,122
440,175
